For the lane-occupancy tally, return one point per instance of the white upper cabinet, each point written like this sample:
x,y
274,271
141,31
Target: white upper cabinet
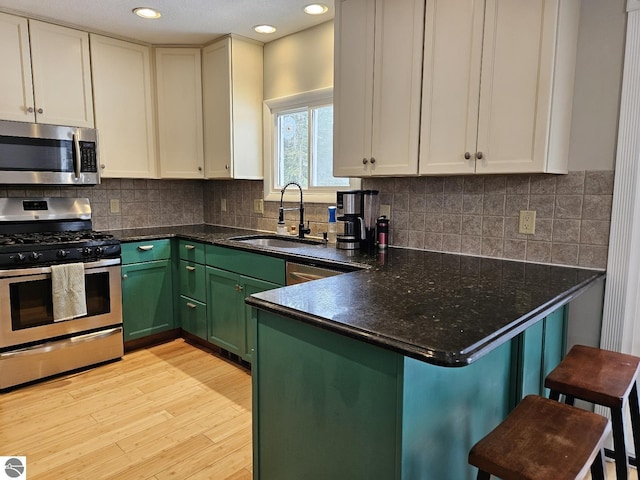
x,y
123,101
497,86
180,133
46,73
232,94
16,87
377,84
61,75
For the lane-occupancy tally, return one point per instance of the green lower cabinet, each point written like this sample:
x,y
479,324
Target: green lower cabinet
x,y
229,319
147,298
329,406
193,317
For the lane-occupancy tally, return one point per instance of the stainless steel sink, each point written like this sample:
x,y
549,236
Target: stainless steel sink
x,y
278,241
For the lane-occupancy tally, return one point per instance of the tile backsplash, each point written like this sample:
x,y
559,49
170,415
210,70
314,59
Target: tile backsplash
x,y
467,214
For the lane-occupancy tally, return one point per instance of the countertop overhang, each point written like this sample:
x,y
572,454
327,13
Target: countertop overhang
x,y
441,308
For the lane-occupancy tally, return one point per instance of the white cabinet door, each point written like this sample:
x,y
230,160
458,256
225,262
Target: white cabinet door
x,y
378,72
353,87
498,86
232,94
61,75
451,86
123,107
16,88
526,86
180,133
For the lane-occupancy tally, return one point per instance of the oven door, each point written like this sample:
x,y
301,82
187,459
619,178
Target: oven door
x,y
26,307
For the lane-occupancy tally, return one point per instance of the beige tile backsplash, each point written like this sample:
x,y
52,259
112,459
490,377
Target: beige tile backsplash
x,y
468,214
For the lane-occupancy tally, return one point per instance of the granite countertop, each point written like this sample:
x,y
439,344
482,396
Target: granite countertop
x,y
444,309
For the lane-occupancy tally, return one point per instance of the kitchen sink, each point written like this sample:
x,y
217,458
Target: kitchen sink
x,y
278,241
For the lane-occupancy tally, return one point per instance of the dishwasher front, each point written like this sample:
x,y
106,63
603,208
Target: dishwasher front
x,y
300,273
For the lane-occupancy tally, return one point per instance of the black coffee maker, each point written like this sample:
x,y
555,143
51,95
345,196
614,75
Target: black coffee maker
x,y
358,209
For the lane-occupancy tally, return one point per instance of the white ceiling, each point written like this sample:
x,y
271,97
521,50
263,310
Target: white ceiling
x,y
193,22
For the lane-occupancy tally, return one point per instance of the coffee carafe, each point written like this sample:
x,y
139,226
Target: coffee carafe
x,y
358,209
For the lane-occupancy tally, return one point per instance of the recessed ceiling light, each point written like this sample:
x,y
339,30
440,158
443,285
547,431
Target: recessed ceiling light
x,y
264,28
146,12
316,9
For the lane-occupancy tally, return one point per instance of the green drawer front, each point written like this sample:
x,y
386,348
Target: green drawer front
x,y
192,280
191,251
250,264
193,317
137,252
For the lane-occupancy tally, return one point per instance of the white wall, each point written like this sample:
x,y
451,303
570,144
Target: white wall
x,y
299,62
598,83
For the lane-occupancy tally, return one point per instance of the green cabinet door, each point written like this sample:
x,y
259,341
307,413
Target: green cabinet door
x,y
147,298
251,286
225,326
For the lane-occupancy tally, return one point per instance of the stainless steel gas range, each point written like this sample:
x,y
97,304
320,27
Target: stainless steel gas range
x,y
60,290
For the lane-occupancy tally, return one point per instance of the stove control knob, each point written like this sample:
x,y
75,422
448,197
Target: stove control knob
x,y
35,256
86,251
18,258
99,251
62,253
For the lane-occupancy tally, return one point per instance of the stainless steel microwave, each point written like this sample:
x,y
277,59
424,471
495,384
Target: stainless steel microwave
x,y
39,154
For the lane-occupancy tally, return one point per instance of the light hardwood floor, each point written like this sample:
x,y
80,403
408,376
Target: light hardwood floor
x,y
172,411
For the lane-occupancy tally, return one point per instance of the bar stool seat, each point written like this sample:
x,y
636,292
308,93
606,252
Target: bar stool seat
x,y
605,378
543,439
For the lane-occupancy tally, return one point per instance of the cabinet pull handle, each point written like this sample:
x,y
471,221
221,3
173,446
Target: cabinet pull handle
x,y
30,109
145,248
467,155
365,161
191,269
190,247
373,160
125,276
40,110
191,305
479,155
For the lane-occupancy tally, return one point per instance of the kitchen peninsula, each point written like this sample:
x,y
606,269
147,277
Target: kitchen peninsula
x,y
396,369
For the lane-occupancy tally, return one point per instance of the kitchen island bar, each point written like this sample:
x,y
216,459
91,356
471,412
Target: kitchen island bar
x,y
396,371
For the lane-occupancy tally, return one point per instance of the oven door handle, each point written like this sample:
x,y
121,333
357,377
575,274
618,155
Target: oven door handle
x,y
19,272
58,344
76,158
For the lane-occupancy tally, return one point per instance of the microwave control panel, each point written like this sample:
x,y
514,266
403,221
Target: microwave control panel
x,y
88,157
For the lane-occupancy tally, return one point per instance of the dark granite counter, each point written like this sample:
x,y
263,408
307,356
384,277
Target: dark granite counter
x,y
444,309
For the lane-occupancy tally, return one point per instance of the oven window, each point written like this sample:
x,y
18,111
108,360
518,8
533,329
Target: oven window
x,y
32,305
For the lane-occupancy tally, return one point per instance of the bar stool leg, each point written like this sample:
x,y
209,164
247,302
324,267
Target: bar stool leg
x,y
483,475
635,417
598,468
554,395
622,461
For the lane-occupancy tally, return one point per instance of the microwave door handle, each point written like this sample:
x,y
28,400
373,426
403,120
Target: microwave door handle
x,y
76,157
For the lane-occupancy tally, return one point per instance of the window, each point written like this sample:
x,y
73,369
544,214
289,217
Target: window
x,y
299,139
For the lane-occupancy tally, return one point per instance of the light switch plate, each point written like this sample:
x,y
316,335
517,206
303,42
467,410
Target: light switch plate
x,y
527,222
385,210
258,205
114,205
223,205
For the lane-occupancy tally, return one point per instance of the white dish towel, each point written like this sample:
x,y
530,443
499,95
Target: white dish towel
x,y
67,287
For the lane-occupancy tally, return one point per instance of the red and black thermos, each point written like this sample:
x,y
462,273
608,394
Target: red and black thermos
x,y
382,227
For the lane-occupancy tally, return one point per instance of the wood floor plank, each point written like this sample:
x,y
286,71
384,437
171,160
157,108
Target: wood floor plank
x,y
159,413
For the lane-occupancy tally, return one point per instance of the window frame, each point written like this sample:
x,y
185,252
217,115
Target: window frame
x,y
271,108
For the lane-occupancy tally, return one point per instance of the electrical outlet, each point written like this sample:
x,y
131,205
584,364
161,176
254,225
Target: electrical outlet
x,y
114,205
527,222
258,205
223,205
385,210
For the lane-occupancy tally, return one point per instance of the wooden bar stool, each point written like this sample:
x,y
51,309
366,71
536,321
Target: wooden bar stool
x,y
543,440
604,378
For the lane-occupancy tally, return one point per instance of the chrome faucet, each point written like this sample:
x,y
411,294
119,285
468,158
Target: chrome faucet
x,y
301,228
